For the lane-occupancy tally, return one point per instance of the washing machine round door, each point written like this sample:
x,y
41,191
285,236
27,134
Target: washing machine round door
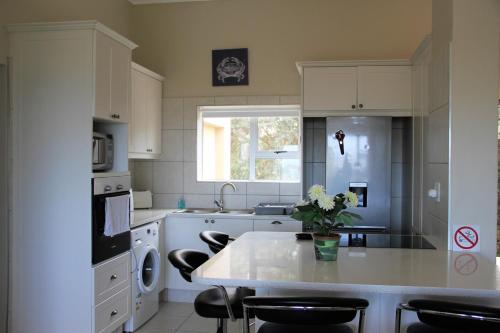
x,y
149,270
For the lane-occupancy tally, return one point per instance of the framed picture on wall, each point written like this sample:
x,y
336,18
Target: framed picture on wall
x,y
230,67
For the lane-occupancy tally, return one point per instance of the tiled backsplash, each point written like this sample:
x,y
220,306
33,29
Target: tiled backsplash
x,y
174,175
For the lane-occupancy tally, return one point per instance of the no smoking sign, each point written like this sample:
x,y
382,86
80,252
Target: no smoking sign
x,y
466,238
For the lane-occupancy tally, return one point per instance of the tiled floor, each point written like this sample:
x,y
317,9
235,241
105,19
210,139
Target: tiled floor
x,y
181,318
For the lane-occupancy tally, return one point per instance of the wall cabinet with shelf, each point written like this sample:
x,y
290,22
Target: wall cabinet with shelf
x,y
354,88
145,120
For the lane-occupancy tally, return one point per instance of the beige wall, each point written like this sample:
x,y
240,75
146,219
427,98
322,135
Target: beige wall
x,y
114,13
176,39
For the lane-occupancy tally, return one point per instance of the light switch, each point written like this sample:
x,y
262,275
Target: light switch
x,y
435,193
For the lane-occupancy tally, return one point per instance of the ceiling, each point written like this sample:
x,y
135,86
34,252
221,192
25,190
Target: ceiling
x,y
149,2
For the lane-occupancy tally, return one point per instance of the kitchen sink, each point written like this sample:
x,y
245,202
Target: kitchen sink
x,y
197,211
236,211
202,211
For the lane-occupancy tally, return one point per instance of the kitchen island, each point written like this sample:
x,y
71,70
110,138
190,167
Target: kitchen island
x,y
278,264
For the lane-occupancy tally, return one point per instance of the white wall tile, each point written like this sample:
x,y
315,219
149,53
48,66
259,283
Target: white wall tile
x,y
143,177
191,110
263,188
167,177
263,100
172,146
241,189
231,100
290,198
233,201
290,189
172,117
290,100
199,200
166,200
191,185
254,200
190,144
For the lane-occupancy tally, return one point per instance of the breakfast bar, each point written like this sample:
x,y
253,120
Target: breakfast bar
x,y
275,263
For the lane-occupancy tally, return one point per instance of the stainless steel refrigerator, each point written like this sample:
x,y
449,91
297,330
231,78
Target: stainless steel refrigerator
x,y
358,159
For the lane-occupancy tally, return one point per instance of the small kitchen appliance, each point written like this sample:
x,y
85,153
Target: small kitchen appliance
x,y
102,151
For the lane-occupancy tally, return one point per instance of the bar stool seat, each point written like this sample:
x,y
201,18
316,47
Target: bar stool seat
x,y
210,303
450,317
305,314
216,241
283,328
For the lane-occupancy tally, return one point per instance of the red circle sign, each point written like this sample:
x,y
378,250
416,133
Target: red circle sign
x,y
466,238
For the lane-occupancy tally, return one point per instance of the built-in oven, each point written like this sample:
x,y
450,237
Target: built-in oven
x,y
106,247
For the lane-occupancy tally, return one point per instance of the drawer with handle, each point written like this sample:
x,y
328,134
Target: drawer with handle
x,y
111,277
277,225
112,313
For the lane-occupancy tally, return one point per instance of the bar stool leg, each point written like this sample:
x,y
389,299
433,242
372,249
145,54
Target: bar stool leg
x,y
221,325
361,325
398,321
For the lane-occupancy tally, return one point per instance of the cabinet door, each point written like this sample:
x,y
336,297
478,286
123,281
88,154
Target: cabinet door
x,y
384,87
233,227
183,233
103,54
277,225
138,137
154,115
112,79
329,88
120,81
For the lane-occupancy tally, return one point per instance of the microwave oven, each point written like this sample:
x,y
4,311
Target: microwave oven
x,y
102,152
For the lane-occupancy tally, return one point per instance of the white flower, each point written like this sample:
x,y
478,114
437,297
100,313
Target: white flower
x,y
352,198
326,202
316,192
302,203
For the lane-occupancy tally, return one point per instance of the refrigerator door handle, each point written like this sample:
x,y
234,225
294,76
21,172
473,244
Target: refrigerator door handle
x,y
339,135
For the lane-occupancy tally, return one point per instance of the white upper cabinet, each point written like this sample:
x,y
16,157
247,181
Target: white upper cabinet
x,y
346,88
384,87
112,79
330,88
145,120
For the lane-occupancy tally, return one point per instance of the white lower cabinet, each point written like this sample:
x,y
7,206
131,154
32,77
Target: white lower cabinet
x,y
277,225
233,227
112,294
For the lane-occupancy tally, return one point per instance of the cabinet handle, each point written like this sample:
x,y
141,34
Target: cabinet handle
x,y
212,221
360,106
353,106
107,188
118,116
114,313
113,277
119,187
206,221
276,222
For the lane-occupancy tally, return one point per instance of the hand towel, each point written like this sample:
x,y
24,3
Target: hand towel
x,y
117,215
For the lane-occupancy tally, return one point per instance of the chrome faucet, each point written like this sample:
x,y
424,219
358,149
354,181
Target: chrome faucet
x,y
220,203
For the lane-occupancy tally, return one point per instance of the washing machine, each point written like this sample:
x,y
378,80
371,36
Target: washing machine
x,y
145,274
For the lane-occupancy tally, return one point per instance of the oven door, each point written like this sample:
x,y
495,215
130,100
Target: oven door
x,y
104,247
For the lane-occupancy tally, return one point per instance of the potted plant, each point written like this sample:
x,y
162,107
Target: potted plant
x,y
326,213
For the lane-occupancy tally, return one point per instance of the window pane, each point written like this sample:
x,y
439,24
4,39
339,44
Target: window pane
x,y
226,143
278,133
277,169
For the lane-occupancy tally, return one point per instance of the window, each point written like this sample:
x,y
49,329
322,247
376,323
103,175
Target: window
x,y
249,143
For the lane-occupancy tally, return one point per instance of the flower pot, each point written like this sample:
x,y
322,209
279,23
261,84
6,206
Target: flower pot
x,y
326,247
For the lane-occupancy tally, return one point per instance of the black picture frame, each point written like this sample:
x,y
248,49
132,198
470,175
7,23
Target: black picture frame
x,y
230,67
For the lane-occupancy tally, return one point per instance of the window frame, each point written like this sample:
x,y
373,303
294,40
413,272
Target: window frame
x,y
254,112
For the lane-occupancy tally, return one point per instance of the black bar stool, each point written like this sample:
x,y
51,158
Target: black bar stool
x,y
219,302
449,317
216,240
304,314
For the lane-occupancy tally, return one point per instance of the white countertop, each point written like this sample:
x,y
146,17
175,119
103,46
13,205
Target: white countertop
x,y
277,260
143,216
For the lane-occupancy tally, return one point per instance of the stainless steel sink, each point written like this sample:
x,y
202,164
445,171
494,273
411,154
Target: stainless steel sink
x,y
197,211
236,211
